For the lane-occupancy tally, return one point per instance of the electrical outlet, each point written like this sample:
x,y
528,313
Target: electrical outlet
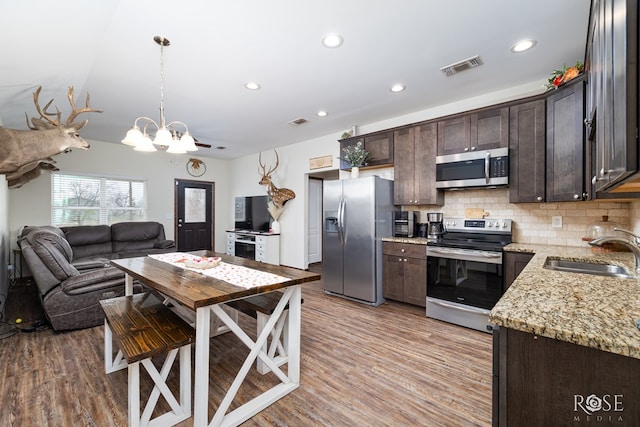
x,y
556,221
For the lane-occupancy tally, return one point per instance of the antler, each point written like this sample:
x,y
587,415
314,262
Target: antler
x,y
38,123
76,112
47,120
264,172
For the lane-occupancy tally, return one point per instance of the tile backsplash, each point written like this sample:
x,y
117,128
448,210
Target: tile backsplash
x,y
532,221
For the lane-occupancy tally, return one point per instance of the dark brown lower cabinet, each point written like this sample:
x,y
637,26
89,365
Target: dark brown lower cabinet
x,y
540,381
514,263
404,272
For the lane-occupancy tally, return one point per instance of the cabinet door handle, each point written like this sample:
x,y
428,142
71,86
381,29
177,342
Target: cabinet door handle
x,y
466,149
539,198
473,148
405,260
402,250
576,197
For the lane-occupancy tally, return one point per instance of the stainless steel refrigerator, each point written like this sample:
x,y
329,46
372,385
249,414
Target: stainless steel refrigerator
x,y
357,215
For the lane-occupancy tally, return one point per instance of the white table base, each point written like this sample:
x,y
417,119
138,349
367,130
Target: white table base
x,y
289,381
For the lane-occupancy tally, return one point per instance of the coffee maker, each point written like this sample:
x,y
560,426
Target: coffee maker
x,y
435,229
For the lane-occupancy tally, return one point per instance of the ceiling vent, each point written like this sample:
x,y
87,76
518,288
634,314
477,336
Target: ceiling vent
x,y
463,65
298,122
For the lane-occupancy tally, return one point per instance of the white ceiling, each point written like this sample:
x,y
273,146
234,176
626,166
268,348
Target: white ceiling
x,y
106,48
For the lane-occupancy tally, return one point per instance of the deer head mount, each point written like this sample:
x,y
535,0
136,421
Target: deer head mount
x,y
279,196
47,137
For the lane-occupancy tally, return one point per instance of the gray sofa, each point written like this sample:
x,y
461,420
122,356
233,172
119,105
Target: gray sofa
x,y
121,240
70,266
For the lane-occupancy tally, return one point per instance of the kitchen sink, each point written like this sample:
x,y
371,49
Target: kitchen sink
x,y
587,268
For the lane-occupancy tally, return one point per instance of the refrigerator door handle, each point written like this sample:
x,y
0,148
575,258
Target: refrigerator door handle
x,y
341,221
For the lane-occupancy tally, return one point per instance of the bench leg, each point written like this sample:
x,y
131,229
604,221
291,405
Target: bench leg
x,y
279,341
112,362
180,410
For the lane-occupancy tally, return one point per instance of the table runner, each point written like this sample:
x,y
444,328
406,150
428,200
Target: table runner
x,y
230,273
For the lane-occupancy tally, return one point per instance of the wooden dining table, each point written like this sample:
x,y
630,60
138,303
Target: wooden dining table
x,y
206,295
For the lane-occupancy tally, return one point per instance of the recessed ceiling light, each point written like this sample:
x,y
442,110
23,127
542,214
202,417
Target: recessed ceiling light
x,y
252,85
332,40
397,88
523,45
322,113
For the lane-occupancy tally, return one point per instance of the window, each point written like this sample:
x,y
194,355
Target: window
x,y
93,200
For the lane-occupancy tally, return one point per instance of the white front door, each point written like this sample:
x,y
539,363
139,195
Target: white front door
x,y
314,232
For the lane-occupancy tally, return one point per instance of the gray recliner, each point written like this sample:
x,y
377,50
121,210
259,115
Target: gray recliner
x,y
70,298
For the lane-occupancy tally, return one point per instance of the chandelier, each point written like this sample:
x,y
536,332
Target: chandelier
x,y
166,134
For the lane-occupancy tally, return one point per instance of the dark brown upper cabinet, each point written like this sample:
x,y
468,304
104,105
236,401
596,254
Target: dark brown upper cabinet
x,y
527,152
566,155
481,130
612,115
415,166
379,146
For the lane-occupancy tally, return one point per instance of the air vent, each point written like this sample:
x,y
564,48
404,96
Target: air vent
x,y
298,122
463,65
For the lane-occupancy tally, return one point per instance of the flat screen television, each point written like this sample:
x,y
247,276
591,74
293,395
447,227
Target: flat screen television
x,y
251,213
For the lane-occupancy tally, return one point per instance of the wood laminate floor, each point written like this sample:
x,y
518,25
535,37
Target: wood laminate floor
x,y
361,366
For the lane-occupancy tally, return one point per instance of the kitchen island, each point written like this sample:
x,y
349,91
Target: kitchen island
x,y
568,347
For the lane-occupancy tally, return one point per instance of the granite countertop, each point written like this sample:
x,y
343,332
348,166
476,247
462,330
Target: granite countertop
x,y
414,240
584,309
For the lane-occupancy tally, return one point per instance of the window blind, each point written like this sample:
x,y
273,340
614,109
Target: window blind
x,y
93,200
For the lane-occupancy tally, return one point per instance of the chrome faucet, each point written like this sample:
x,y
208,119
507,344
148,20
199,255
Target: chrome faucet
x,y
633,244
635,238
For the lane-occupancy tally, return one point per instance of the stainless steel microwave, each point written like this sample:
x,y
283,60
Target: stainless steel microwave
x,y
486,168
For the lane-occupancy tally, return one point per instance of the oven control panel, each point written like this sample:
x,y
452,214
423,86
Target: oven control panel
x,y
478,225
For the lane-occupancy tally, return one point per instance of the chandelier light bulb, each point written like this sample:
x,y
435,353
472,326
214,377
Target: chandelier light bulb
x,y
163,137
188,142
133,137
145,145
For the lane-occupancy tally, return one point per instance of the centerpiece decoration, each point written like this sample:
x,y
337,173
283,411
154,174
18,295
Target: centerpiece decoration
x,y
356,156
562,76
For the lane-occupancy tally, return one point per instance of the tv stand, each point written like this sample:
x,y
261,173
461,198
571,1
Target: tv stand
x,y
264,247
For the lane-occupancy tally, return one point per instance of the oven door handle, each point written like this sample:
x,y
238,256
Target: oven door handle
x,y
462,252
464,255
474,310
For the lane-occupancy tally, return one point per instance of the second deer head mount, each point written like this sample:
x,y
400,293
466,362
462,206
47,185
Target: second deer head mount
x,y
279,196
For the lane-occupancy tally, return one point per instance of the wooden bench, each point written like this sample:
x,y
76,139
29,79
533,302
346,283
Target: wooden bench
x,y
260,307
142,328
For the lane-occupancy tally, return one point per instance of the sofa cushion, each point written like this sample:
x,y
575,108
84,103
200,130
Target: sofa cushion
x,y
89,240
135,236
54,252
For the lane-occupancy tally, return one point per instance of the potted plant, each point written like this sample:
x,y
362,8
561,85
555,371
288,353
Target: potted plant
x,y
356,156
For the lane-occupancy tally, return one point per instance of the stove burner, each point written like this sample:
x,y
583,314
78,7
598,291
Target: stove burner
x,y
487,235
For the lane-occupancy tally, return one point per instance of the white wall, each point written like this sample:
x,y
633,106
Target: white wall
x,y
31,204
292,174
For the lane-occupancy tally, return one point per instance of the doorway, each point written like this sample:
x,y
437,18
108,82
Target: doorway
x,y
314,213
314,232
194,215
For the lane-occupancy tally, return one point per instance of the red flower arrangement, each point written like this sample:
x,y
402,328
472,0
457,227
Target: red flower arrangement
x,y
559,77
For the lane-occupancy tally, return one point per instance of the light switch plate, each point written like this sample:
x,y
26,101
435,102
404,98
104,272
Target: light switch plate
x,y
556,221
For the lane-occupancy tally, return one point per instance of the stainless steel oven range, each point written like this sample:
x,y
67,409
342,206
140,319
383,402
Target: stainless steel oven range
x,y
464,271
